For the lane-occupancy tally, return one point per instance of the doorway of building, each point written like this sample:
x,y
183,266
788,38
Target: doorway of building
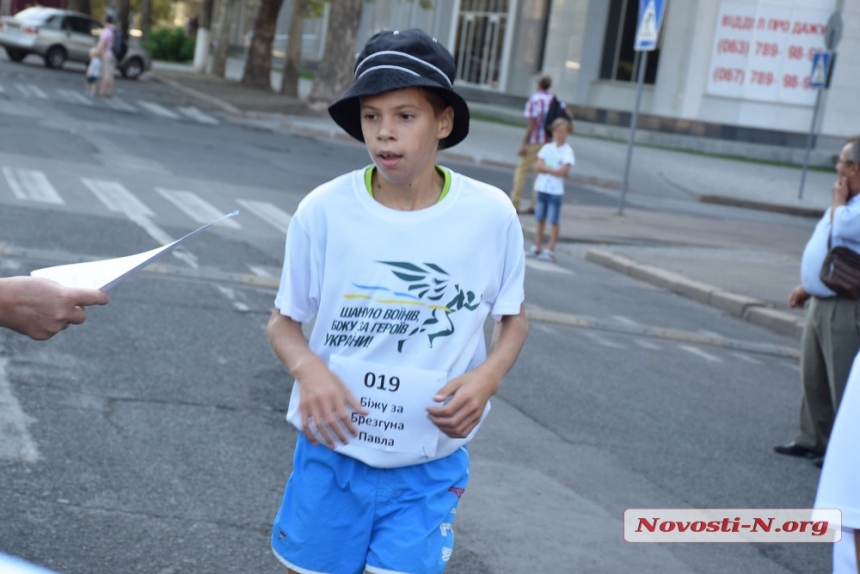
x,y
482,28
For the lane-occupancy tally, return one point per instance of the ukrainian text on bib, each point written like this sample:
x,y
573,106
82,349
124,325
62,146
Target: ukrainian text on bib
x,y
396,401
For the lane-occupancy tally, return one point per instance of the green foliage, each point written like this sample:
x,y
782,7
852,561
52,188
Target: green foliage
x,y
315,9
170,44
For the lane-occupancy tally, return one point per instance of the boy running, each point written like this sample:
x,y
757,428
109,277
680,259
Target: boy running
x,y
399,263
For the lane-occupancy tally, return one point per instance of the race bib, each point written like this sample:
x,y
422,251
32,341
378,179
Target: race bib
x,y
396,401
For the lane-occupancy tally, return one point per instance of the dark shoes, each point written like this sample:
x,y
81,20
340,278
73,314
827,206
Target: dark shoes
x,y
794,449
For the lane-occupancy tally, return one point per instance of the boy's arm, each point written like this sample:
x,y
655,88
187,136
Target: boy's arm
x,y
541,166
324,397
470,391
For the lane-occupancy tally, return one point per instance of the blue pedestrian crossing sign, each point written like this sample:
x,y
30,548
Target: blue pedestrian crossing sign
x,y
648,26
820,66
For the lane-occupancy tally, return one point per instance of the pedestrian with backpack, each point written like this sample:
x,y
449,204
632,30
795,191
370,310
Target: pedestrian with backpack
x,y
105,47
538,106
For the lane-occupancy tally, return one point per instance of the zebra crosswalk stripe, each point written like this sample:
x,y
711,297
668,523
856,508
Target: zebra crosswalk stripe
x,y
37,91
197,115
272,215
75,97
2,90
16,443
700,353
118,104
157,109
196,207
23,89
118,199
30,185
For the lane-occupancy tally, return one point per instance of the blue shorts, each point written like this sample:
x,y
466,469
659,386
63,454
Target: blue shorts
x,y
548,207
341,516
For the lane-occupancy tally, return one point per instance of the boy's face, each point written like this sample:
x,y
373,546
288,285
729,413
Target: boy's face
x,y
402,133
560,133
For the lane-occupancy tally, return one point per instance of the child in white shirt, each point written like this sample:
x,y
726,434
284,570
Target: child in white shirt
x,y
554,161
93,73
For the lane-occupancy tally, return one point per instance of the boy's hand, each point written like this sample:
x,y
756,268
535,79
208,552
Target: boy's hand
x,y
324,400
469,394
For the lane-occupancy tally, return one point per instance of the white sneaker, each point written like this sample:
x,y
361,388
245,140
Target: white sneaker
x,y
533,252
547,255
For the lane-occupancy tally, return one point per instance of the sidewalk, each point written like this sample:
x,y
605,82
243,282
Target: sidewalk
x,y
739,264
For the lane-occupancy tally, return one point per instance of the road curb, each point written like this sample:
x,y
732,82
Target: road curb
x,y
748,308
762,206
229,108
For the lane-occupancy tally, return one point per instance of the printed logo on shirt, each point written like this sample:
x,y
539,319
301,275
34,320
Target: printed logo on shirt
x,y
422,304
457,490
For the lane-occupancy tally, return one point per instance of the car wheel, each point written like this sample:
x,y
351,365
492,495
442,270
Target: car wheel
x,y
55,57
132,69
15,54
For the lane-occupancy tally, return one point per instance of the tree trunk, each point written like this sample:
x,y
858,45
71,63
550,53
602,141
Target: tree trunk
x,y
219,61
335,73
122,18
145,18
80,6
292,62
258,64
201,46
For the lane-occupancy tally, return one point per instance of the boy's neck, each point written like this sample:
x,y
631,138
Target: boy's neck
x,y
420,193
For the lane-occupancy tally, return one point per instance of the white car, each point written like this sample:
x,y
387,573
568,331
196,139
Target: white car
x,y
59,36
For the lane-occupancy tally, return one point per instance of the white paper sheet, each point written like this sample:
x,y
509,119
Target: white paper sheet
x,y
106,274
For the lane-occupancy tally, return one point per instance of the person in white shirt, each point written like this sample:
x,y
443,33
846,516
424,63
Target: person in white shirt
x,y
93,73
831,337
554,161
838,485
399,265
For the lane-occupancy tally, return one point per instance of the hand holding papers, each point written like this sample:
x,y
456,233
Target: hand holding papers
x,y
105,274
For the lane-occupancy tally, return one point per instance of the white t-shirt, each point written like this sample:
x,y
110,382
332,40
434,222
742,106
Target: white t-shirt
x,y
95,68
553,157
400,299
840,476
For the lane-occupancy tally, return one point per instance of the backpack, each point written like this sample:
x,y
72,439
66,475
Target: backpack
x,y
119,48
553,112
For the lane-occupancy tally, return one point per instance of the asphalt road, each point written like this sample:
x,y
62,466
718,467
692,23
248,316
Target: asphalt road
x,y
152,439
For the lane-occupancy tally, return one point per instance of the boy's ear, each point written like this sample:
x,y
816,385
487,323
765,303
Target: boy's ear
x,y
445,123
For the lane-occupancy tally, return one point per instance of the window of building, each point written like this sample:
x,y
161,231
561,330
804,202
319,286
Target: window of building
x,y
620,62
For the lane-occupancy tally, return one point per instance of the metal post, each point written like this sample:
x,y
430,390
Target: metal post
x,y
809,143
643,61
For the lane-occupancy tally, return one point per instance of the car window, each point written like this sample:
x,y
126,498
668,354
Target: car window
x,y
75,24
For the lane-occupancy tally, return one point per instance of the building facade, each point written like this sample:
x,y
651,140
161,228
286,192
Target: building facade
x,y
741,67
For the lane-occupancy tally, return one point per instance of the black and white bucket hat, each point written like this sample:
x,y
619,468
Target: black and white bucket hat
x,y
394,60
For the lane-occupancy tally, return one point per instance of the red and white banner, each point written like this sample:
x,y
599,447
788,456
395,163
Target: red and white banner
x,y
763,49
